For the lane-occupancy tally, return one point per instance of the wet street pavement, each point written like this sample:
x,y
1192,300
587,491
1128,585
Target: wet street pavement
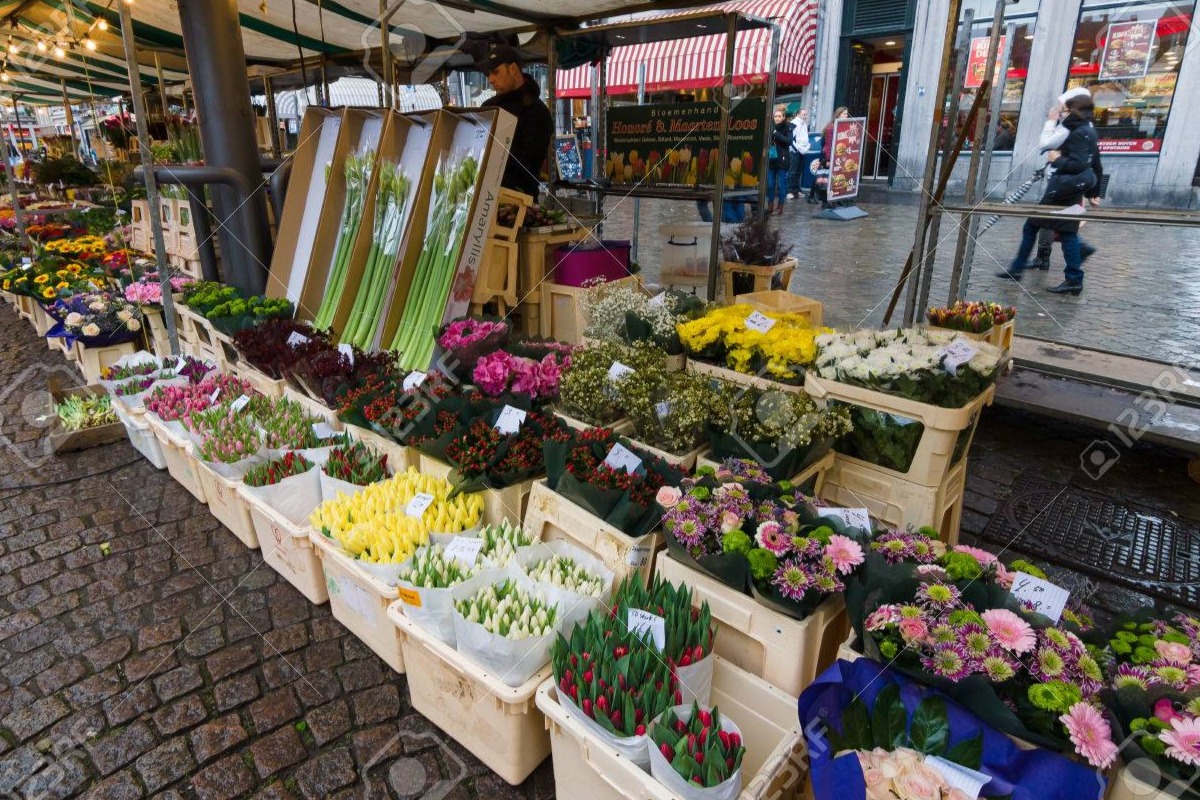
x,y
1141,294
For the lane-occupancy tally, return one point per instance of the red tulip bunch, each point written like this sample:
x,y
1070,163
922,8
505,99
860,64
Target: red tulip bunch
x,y
275,471
697,748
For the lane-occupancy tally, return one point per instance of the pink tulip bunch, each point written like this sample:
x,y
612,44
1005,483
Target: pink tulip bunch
x,y
285,423
225,435
172,403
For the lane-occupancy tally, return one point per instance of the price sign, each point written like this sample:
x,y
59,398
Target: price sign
x,y
413,380
618,371
212,398
239,404
347,351
322,430
854,517
760,322
621,458
663,409
27,261
410,597
416,507
510,420
640,621
658,300
957,353
966,780
297,339
1045,597
639,556
464,549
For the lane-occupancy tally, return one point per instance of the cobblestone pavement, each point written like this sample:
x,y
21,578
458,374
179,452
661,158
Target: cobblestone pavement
x,y
144,651
1142,290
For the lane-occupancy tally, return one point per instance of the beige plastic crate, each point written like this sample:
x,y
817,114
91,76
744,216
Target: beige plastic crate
x,y
94,360
358,600
934,458
399,457
774,767
1125,784
783,301
261,383
622,427
498,504
313,407
999,335
550,517
740,378
177,452
897,502
786,652
142,437
287,548
846,651
686,462
42,321
500,725
228,505
817,470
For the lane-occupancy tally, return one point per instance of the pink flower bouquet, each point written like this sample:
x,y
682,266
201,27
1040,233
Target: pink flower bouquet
x,y
500,373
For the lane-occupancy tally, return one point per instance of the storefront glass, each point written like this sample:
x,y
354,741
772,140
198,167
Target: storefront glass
x,y
1023,14
1128,54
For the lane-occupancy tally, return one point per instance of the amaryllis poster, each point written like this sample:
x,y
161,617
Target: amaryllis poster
x,y
1127,50
977,62
849,138
677,144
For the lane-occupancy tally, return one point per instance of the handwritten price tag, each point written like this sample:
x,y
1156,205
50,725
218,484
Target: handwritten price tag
x,y
760,322
464,549
957,353
663,409
239,404
413,380
322,430
639,556
1045,597
416,507
347,351
297,339
853,517
618,371
621,458
658,300
510,420
640,621
966,780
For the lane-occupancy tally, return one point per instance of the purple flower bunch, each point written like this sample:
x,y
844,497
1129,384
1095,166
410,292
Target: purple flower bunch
x,y
698,515
913,546
467,332
501,372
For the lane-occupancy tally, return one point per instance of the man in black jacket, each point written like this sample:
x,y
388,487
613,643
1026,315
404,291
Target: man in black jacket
x,y
519,95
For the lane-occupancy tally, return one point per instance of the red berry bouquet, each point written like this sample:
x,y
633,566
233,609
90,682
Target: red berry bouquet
x,y
485,457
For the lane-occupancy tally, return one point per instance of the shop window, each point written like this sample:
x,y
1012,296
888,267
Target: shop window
x,y
1128,54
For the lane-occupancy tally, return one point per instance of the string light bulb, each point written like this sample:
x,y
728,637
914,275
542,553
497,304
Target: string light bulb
x,y
102,24
90,44
58,51
41,45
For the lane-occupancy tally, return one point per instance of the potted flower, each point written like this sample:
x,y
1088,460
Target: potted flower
x,y
755,259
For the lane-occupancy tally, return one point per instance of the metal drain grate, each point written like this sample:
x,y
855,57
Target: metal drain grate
x,y
1146,549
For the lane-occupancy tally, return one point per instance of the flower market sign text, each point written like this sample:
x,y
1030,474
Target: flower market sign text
x,y
677,144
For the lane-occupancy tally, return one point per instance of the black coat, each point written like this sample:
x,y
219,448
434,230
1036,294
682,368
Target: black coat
x,y
531,140
781,137
1077,172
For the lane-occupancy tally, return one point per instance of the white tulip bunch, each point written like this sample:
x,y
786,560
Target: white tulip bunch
x,y
431,569
500,542
563,572
506,610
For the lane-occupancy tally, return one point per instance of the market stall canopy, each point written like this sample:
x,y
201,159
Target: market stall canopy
x,y
350,91
699,62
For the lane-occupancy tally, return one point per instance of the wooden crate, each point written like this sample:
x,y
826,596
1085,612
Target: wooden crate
x,y
532,271
740,378
999,335
510,197
764,277
94,360
564,317
261,383
497,278
65,441
784,302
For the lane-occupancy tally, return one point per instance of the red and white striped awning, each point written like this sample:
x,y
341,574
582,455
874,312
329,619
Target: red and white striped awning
x,y
699,62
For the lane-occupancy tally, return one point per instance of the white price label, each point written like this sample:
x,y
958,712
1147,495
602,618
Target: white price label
x,y
760,322
413,380
348,351
239,404
464,549
854,517
618,371
297,338
621,458
1045,597
510,420
416,507
322,430
966,780
663,409
639,556
658,300
641,621
957,353
212,398
27,261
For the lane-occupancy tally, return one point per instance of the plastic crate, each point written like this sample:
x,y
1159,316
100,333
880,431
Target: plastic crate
x,y
261,383
774,767
999,335
358,600
142,437
1135,783
228,505
314,408
787,652
846,651
500,725
898,503
764,277
686,462
622,427
399,457
740,378
94,360
287,549
177,452
815,471
940,443
784,302
498,504
42,321
550,516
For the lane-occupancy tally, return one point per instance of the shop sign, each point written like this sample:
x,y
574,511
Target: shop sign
x,y
1130,145
1127,50
846,154
677,144
977,61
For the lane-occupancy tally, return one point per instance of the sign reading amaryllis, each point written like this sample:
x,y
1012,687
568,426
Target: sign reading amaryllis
x,y
1127,50
678,144
977,62
846,153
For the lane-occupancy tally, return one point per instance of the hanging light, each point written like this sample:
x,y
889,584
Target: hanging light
x,y
41,45
90,44
58,51
102,24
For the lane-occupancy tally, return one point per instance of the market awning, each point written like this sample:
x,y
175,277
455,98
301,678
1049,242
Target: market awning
x,y
699,62
349,91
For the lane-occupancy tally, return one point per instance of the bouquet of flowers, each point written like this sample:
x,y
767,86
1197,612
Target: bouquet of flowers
x,y
203,296
50,279
588,389
671,411
355,464
382,404
277,470
101,318
173,403
506,623
781,352
437,423
500,373
466,340
696,749
147,290
325,372
624,314
484,457
83,248
910,362
277,345
975,317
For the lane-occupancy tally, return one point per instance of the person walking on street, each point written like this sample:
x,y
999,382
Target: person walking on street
x,y
519,95
800,147
778,161
1077,175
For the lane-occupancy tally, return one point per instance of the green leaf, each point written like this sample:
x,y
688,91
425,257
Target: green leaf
x,y
968,752
856,726
930,727
889,721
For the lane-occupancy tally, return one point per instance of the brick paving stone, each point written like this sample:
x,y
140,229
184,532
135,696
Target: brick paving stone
x,y
375,705
130,705
277,750
60,675
92,689
274,709
231,659
153,635
235,691
276,791
322,776
114,749
180,715
361,674
110,652
204,641
217,736
329,721
35,717
223,780
122,786
178,681
165,764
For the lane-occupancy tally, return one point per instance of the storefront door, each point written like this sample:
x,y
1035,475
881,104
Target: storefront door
x,y
881,125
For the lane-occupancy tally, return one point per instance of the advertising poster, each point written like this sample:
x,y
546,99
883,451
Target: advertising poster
x,y
566,154
677,144
1127,50
846,152
1151,146
977,62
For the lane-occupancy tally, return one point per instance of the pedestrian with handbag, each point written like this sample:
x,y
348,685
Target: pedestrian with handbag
x,y
778,161
800,148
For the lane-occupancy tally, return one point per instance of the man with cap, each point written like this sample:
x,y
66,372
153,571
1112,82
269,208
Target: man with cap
x,y
519,95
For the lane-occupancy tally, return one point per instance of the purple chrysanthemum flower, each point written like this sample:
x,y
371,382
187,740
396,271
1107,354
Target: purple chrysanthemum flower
x,y
938,595
947,660
792,581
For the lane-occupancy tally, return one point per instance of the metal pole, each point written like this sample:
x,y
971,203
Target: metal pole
x,y
162,85
960,275
18,212
143,135
70,119
637,202
385,47
714,250
552,96
272,117
768,139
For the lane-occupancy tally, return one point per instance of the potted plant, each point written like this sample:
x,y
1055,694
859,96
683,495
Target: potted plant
x,y
755,259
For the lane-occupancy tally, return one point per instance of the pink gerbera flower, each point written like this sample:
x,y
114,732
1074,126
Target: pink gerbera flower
x,y
770,535
1092,736
982,556
844,552
1183,741
1013,633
